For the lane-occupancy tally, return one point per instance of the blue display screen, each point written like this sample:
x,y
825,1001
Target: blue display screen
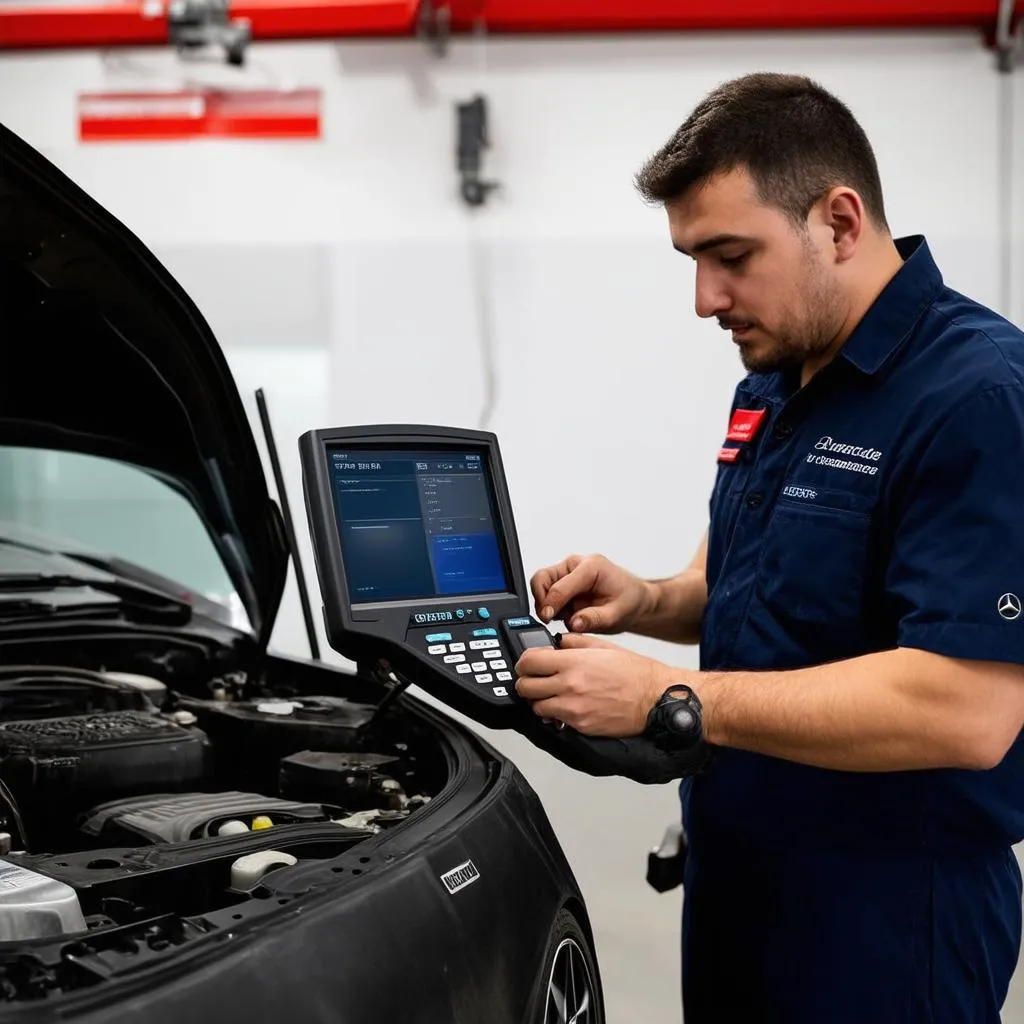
x,y
416,524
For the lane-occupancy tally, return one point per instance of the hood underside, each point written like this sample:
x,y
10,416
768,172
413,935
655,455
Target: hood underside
x,y
104,353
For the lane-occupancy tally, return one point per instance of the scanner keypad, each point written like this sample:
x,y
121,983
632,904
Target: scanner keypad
x,y
484,656
475,653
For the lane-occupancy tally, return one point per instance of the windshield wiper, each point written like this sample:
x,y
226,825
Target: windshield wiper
x,y
136,595
135,587
31,609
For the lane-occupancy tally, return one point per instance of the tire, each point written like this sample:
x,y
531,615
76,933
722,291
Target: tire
x,y
568,964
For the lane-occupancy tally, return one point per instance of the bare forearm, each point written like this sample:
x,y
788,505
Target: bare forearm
x,y
675,607
900,709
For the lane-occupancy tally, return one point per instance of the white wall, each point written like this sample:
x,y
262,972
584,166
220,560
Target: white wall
x,y
1015,88
339,275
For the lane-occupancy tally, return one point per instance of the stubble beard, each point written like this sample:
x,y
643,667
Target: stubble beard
x,y
805,335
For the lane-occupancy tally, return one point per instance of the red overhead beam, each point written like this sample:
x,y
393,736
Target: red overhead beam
x,y
138,22
676,15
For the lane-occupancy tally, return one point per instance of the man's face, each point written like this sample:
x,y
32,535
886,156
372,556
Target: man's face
x,y
770,283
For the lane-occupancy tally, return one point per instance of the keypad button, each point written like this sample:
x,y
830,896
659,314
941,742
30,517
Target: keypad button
x,y
485,678
504,677
451,659
493,654
456,648
500,691
436,649
499,664
463,669
479,666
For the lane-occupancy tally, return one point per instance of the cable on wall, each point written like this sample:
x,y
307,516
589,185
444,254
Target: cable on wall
x,y
472,139
483,301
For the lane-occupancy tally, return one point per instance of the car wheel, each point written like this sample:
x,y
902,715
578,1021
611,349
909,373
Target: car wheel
x,y
567,990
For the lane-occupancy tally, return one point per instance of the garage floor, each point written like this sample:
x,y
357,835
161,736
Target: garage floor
x,y
606,827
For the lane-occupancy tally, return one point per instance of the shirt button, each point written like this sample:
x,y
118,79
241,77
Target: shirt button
x,y
753,500
783,430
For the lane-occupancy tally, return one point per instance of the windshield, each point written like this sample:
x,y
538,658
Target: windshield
x,y
68,502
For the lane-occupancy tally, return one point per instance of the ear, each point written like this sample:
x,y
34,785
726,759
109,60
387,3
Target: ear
x,y
843,212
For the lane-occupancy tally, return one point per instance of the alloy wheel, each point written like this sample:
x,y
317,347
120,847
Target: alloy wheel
x,y
570,988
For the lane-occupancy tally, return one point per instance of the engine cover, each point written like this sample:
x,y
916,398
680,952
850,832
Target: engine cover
x,y
176,819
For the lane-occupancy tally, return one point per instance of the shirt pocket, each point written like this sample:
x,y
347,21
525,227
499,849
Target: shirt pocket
x,y
814,566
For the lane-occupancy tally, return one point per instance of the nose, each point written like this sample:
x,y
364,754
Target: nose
x,y
711,297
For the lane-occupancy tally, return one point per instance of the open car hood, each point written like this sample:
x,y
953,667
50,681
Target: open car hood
x,y
104,353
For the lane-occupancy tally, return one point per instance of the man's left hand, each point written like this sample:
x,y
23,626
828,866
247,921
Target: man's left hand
x,y
592,685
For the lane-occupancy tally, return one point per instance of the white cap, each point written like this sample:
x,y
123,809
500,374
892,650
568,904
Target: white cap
x,y
247,871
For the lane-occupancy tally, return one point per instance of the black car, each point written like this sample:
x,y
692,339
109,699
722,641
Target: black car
x,y
191,828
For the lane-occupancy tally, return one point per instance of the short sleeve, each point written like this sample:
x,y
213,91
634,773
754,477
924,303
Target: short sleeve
x,y
955,576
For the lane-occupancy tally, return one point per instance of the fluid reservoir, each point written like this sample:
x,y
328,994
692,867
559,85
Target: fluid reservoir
x,y
33,906
153,688
247,871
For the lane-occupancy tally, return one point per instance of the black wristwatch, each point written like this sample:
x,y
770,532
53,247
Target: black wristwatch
x,y
675,723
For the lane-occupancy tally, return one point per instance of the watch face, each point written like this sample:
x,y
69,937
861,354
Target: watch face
x,y
679,714
681,719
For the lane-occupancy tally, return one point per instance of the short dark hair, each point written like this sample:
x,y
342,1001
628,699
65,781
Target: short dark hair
x,y
795,139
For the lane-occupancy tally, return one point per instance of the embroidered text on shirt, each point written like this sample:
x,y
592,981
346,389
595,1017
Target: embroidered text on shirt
x,y
827,444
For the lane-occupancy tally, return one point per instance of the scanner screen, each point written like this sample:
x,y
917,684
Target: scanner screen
x,y
416,524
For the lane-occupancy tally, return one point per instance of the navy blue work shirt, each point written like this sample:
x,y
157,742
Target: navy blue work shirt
x,y
882,505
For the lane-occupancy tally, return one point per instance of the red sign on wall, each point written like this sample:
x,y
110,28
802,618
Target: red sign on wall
x,y
199,113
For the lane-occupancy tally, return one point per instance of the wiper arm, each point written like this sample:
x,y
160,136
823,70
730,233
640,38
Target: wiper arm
x,y
38,609
136,594
129,583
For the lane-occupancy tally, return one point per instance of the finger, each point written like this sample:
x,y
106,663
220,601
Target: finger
x,y
595,618
542,582
540,661
534,688
579,581
552,709
580,641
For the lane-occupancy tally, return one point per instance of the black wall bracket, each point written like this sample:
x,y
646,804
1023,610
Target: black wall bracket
x,y
473,139
196,24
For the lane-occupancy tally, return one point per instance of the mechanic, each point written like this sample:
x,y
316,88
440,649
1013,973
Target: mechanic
x,y
857,597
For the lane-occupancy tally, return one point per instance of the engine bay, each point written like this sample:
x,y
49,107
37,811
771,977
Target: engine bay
x,y
130,802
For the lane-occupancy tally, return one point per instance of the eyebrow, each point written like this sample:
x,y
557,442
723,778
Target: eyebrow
x,y
713,243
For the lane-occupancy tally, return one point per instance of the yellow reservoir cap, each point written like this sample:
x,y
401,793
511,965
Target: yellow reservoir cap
x,y
261,821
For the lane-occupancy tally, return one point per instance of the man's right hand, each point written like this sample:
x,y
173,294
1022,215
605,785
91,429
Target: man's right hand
x,y
590,594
